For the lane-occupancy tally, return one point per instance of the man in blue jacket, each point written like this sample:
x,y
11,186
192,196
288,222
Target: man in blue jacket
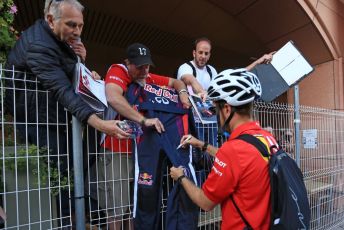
x,y
48,52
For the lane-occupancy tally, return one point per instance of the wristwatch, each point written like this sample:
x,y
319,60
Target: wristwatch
x,y
180,179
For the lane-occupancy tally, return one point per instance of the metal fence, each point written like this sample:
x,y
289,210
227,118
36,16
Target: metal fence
x,y
36,183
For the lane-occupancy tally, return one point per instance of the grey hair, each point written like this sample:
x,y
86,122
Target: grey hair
x,y
53,7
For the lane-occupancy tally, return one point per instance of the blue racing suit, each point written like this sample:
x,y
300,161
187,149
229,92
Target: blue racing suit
x,y
161,102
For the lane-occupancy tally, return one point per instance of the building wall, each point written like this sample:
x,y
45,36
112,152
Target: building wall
x,y
324,87
318,89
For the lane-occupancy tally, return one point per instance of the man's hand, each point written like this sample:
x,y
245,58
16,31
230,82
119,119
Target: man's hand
x,y
193,141
196,143
156,123
266,58
179,86
79,49
203,95
109,127
96,76
176,172
184,99
196,194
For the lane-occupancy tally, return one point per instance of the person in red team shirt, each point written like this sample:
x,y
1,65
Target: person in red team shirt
x,y
116,166
239,170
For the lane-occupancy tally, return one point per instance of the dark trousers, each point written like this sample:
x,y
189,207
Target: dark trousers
x,y
152,151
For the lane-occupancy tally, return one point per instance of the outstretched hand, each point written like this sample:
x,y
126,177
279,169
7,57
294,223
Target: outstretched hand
x,y
266,58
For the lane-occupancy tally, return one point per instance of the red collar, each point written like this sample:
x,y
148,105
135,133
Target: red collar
x,y
243,128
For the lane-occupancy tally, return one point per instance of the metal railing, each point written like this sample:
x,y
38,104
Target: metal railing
x,y
36,183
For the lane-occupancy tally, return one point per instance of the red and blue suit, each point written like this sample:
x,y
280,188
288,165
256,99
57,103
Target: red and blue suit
x,y
156,100
152,149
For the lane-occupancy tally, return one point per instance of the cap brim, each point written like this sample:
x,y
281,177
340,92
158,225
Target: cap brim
x,y
142,61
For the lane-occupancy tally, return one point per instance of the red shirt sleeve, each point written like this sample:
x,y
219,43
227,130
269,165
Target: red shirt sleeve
x,y
158,79
119,76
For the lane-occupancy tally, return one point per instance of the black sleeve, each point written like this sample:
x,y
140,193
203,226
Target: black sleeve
x,y
44,63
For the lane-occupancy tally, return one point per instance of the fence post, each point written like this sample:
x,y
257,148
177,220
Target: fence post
x,y
297,124
79,199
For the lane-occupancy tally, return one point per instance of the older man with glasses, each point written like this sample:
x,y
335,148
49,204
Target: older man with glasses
x,y
48,51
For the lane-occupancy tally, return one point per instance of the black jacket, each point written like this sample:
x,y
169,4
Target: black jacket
x,y
51,62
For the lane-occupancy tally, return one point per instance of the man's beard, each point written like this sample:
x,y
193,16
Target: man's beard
x,y
141,80
200,64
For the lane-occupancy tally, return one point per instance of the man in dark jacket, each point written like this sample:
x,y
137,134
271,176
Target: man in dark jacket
x,y
48,52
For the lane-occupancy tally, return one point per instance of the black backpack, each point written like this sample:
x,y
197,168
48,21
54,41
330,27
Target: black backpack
x,y
289,202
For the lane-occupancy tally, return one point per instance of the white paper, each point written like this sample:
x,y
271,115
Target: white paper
x,y
201,109
310,138
97,87
290,63
90,90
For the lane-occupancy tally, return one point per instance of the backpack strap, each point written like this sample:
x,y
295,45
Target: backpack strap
x,y
248,226
263,150
192,67
194,70
255,142
209,72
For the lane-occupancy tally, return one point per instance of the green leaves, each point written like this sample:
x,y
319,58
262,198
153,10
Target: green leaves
x,y
45,172
7,32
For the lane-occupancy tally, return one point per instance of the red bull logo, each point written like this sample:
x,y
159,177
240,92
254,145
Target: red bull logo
x,y
145,179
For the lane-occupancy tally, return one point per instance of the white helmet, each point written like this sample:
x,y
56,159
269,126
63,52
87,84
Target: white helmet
x,y
235,86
